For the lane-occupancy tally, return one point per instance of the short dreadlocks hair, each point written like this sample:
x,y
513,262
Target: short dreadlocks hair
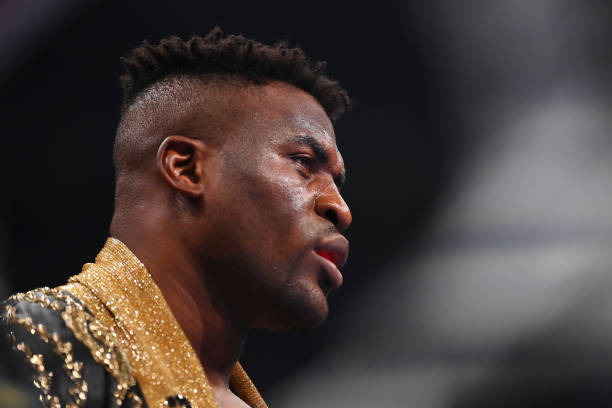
x,y
233,55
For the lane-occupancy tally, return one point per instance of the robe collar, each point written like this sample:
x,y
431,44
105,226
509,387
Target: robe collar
x,y
121,293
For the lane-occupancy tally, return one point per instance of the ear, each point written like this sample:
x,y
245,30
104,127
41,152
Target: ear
x,y
179,160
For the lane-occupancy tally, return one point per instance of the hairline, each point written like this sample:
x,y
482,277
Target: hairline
x,y
177,84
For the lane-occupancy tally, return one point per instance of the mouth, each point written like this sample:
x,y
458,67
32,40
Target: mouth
x,y
331,256
333,253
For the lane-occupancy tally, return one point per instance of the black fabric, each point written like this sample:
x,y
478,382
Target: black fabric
x,y
17,381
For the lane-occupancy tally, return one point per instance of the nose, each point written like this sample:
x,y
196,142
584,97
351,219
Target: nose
x,y
331,206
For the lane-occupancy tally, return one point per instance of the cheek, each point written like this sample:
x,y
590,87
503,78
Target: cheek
x,y
278,187
265,197
281,207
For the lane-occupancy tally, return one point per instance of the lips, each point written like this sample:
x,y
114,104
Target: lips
x,y
334,249
332,256
332,252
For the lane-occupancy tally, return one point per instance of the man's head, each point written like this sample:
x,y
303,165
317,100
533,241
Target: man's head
x,y
226,146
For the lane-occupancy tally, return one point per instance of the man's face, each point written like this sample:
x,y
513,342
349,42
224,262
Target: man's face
x,y
273,211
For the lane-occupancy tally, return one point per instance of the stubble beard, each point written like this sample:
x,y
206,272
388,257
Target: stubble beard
x,y
301,304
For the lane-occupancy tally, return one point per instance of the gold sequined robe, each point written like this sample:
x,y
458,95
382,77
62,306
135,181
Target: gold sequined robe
x,y
109,339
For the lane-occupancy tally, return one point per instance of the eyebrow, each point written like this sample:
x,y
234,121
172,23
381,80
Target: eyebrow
x,y
320,153
318,149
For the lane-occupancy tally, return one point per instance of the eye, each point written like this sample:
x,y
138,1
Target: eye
x,y
304,160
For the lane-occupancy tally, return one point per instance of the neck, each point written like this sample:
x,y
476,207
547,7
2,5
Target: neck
x,y
215,333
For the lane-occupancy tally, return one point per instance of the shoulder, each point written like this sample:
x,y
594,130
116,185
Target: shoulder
x,y
54,348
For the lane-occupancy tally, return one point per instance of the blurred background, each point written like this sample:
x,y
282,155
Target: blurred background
x,y
479,162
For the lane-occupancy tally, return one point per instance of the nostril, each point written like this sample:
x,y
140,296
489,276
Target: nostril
x,y
332,216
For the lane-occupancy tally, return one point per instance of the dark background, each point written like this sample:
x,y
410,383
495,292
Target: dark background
x,y
478,177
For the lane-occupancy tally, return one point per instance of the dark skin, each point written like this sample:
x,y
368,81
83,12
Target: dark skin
x,y
241,229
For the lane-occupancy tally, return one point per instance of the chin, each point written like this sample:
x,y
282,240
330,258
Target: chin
x,y
301,306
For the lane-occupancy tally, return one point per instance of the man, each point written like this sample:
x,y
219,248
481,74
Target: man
x,y
227,217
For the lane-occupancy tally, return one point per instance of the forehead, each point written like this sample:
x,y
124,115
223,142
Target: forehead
x,y
277,112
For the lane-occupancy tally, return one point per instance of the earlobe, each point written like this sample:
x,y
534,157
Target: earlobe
x,y
179,159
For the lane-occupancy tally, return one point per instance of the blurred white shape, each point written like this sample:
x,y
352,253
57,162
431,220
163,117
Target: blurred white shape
x,y
366,388
549,172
